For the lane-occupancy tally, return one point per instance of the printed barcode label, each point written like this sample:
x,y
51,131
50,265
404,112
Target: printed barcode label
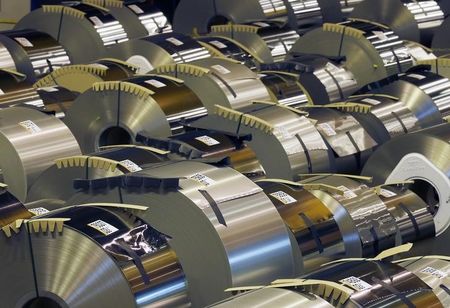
x,y
103,227
39,211
96,21
30,126
416,76
348,194
221,69
207,140
135,9
283,197
156,83
371,101
327,129
387,193
434,272
131,166
23,41
356,283
174,41
202,179
381,35
218,44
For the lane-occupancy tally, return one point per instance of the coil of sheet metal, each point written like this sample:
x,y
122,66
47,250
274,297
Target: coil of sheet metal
x,y
121,109
219,81
372,51
30,141
81,77
11,209
91,24
218,249
32,53
56,182
422,157
150,52
411,20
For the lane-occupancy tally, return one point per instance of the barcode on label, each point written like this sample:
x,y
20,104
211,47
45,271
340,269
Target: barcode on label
x,y
23,41
348,194
434,272
283,197
202,179
416,76
207,140
39,211
221,69
387,193
135,9
156,83
131,166
356,283
327,129
371,101
218,44
174,41
96,21
30,126
103,227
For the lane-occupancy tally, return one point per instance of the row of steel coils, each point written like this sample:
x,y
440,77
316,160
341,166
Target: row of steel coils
x,y
283,149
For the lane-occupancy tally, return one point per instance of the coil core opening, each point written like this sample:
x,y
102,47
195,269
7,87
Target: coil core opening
x,y
114,135
428,193
42,302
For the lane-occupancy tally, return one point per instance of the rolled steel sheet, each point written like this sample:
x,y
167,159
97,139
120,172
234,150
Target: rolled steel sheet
x,y
219,81
81,77
11,208
57,181
372,51
266,298
277,132
121,109
423,157
150,52
434,272
30,142
228,234
151,17
33,53
92,25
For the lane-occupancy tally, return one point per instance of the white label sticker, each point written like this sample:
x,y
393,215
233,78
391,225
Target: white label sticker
x,y
96,21
348,194
387,193
261,24
30,126
39,211
23,41
371,101
174,41
202,179
283,197
49,89
416,76
103,227
327,129
218,44
221,69
434,272
207,140
156,83
135,9
356,283
130,165
381,35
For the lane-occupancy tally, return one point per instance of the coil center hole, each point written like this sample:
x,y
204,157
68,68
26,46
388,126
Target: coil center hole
x,y
114,135
42,302
427,193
